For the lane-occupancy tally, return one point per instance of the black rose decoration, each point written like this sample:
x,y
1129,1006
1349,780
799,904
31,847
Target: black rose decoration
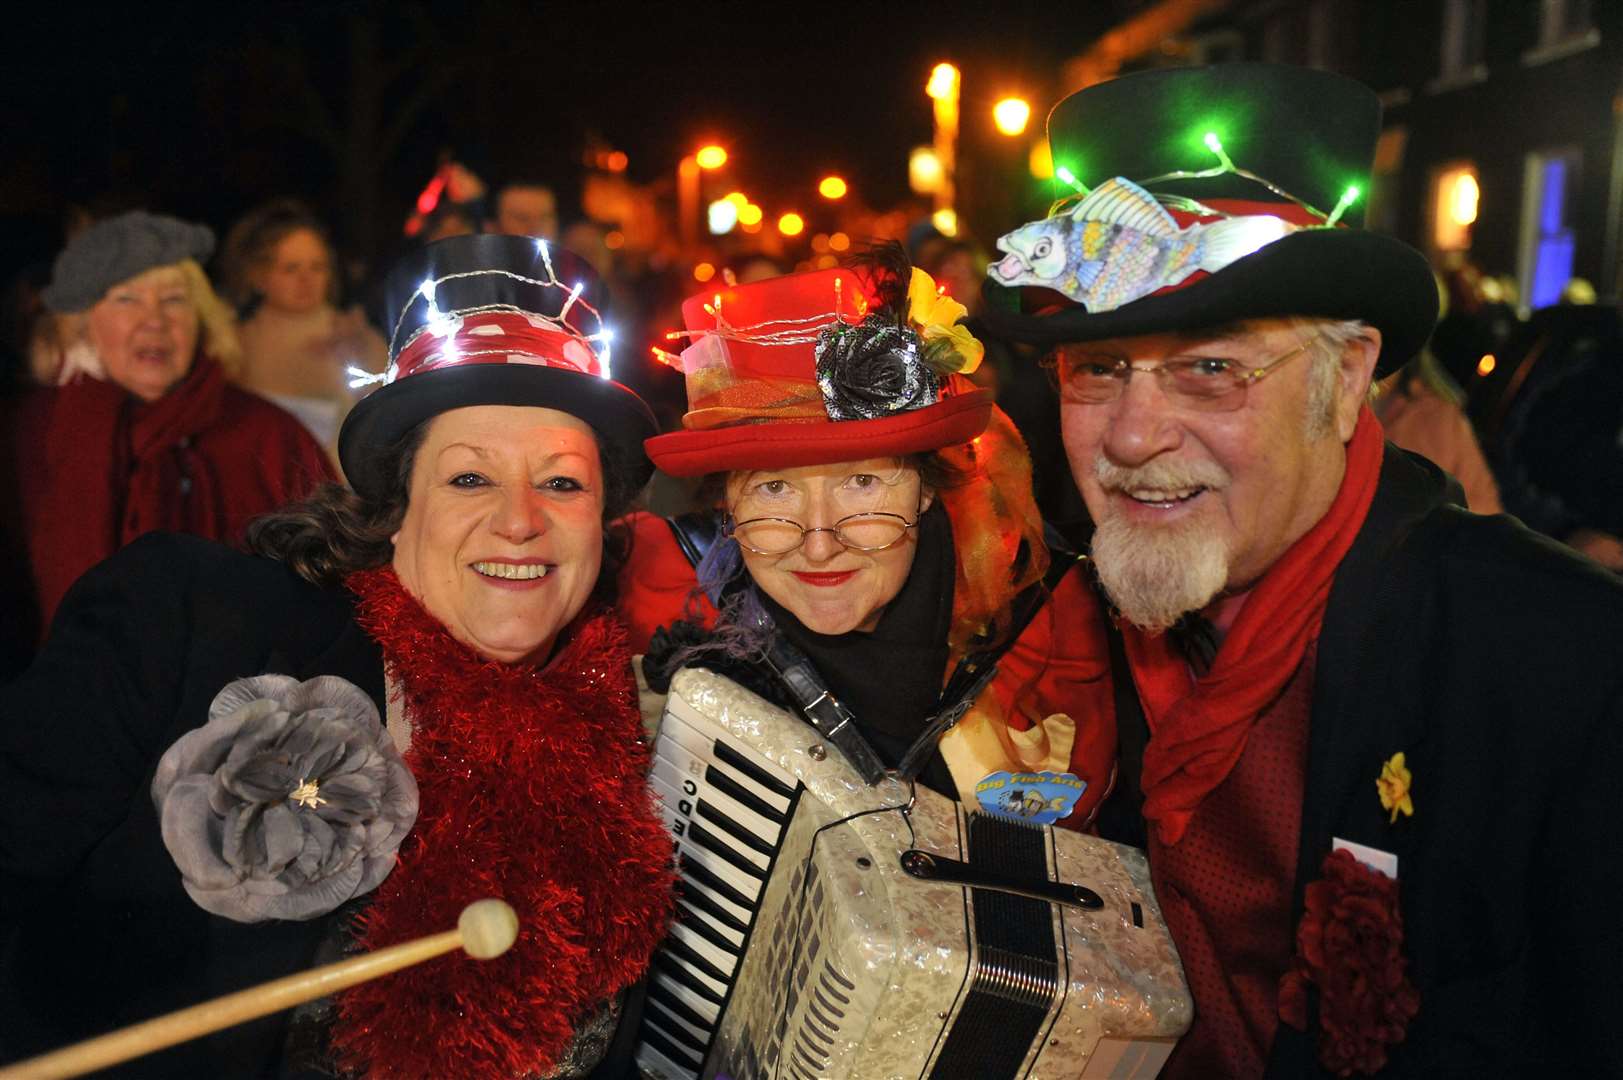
x,y
873,369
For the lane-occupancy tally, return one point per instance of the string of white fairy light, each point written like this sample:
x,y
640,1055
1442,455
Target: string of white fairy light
x,y
1225,166
805,330
445,324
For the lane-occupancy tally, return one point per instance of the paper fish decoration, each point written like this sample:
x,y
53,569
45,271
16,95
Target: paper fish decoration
x,y
1118,244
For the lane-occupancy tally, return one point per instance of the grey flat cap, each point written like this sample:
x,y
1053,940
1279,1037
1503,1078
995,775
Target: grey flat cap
x,y
116,250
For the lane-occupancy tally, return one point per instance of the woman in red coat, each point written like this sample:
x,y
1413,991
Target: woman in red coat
x,y
143,432
875,510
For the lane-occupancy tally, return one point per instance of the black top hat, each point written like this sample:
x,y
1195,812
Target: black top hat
x,y
1209,195
492,320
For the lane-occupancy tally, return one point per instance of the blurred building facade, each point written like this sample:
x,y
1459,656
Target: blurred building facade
x,y
1503,129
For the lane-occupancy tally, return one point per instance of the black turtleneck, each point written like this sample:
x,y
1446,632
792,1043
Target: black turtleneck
x,y
891,677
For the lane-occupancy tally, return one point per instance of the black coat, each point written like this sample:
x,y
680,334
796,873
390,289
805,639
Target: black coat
x,y
97,930
1493,659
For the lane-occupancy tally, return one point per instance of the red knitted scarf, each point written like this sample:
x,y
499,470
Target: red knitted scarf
x,y
114,472
533,789
1199,727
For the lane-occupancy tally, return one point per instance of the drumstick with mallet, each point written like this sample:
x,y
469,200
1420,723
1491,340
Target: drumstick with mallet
x,y
485,930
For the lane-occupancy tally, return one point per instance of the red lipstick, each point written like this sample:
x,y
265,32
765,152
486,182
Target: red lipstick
x,y
825,580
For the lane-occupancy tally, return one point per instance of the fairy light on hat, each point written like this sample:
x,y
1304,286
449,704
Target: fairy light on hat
x,y
446,326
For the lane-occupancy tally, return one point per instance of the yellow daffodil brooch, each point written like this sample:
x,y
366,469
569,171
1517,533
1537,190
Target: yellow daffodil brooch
x,y
1393,785
948,346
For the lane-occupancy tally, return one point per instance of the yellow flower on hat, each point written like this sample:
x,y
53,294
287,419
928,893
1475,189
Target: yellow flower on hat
x,y
1393,786
948,346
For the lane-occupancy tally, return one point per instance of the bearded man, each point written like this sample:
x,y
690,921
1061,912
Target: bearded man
x,y
1371,742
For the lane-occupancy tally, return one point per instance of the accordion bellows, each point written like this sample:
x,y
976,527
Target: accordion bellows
x,y
827,959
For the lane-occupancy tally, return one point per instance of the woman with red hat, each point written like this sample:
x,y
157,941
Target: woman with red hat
x,y
873,511
226,768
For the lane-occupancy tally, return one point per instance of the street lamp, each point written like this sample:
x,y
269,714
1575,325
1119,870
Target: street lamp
x,y
711,157
1011,116
943,90
832,187
791,224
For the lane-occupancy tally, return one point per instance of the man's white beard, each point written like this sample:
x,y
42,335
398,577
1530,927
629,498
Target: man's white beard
x,y
1155,574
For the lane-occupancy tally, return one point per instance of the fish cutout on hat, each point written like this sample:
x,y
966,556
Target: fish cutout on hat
x,y
1119,244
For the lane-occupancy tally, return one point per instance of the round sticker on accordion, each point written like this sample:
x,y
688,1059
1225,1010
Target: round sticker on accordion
x,y
1041,798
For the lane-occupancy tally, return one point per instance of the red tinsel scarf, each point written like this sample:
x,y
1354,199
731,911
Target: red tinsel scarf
x,y
533,788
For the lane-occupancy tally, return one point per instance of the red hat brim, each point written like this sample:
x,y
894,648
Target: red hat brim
x,y
785,444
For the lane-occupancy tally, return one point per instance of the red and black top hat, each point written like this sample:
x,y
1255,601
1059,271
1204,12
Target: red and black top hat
x,y
492,320
1196,197
811,369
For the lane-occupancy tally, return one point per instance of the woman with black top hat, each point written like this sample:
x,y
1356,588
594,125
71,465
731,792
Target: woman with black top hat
x,y
875,513
197,792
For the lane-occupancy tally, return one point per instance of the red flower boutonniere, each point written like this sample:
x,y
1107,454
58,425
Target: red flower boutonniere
x,y
1350,945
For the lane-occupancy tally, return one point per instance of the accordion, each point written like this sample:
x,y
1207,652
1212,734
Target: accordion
x,y
807,946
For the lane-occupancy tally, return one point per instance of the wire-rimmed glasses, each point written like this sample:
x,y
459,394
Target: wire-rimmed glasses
x,y
1204,383
873,531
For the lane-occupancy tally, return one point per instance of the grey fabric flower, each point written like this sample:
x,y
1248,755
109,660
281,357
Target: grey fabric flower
x,y
873,369
289,801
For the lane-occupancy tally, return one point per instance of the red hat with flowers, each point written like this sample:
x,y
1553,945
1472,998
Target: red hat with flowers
x,y
816,368
492,320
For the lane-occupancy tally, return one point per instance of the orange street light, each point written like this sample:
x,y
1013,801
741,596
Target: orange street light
x,y
749,214
711,157
943,82
832,187
791,224
737,198
1011,116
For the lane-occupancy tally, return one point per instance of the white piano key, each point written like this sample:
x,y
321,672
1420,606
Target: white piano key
x,y
697,1002
724,962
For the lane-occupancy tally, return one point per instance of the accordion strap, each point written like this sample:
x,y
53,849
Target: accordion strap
x,y
697,533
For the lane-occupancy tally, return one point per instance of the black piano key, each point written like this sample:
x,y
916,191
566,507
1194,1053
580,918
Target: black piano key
x,y
689,955
753,771
654,1011
703,903
703,837
678,973
738,831
727,785
705,930
695,871
680,1055
677,1007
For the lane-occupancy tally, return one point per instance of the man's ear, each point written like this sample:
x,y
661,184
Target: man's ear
x,y
926,497
1356,370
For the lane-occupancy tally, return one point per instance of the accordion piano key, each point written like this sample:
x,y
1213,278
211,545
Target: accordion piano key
x,y
803,950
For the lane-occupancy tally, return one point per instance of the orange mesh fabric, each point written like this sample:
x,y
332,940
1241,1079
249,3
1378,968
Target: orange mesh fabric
x,y
993,514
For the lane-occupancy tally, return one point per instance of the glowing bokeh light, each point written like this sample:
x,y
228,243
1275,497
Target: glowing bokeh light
x,y
749,214
721,217
943,82
924,172
1486,365
703,272
791,224
737,198
839,242
1011,115
945,221
711,157
1463,199
832,187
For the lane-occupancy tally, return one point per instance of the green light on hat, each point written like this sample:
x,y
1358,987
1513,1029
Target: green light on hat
x,y
1348,197
1069,177
1215,145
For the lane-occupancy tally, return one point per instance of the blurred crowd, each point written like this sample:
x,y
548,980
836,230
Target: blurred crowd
x,y
1525,410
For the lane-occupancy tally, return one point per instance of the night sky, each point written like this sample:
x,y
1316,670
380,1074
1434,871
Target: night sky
x,y
206,110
